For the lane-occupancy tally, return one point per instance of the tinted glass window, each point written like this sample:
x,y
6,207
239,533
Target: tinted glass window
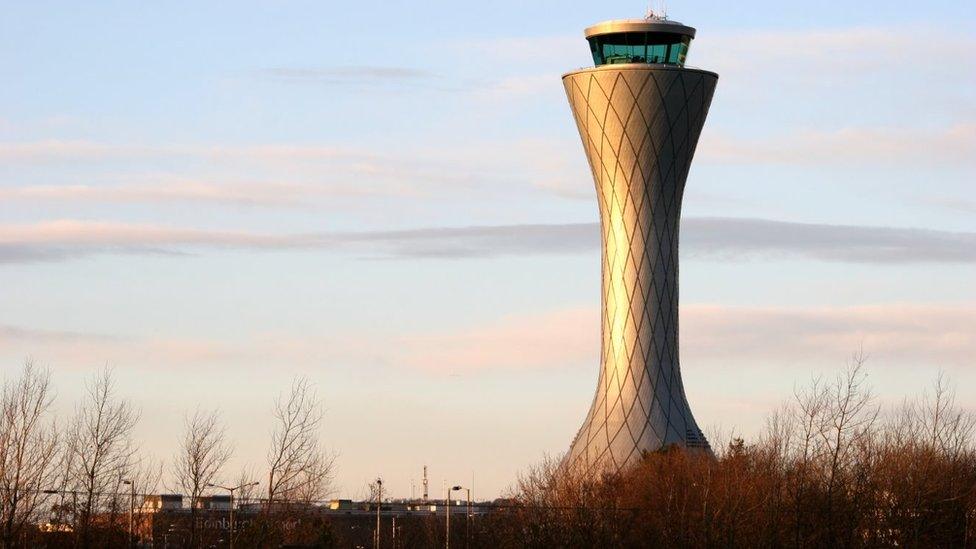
x,y
639,47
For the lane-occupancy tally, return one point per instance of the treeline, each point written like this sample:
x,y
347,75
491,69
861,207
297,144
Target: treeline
x,y
830,470
75,477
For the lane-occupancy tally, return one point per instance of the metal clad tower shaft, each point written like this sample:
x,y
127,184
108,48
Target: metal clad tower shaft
x,y
639,123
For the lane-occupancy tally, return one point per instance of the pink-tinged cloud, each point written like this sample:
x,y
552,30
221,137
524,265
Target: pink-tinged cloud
x,y
409,168
896,334
559,339
712,336
181,190
54,150
68,233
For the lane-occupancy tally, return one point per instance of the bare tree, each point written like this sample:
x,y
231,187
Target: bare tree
x,y
315,482
296,462
807,421
825,473
848,422
947,429
102,451
247,481
65,511
203,453
28,450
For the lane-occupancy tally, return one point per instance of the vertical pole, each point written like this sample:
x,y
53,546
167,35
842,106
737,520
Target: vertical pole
x,y
447,528
231,518
115,505
467,523
379,504
132,502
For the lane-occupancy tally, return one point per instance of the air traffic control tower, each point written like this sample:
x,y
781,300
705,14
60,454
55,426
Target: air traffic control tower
x,y
639,112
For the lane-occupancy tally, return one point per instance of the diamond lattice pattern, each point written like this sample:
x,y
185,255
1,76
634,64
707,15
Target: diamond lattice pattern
x,y
640,126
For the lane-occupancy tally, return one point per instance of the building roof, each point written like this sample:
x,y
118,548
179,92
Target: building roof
x,y
651,24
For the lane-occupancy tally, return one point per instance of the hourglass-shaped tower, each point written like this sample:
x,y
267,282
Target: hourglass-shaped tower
x,y
639,112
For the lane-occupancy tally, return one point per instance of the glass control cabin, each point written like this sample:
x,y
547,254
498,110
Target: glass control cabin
x,y
649,41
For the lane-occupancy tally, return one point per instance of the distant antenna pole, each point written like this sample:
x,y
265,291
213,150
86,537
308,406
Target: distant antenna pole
x,y
425,484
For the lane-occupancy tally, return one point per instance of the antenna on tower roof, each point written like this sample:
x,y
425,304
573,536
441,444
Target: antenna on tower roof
x,y
657,14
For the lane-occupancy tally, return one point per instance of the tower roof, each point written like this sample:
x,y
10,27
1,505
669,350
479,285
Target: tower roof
x,y
651,24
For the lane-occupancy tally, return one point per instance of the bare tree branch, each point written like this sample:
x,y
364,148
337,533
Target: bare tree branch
x,y
297,465
203,453
29,449
102,450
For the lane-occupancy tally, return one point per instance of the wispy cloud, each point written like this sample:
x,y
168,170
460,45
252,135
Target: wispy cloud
x,y
283,175
183,190
263,173
354,76
731,238
10,333
946,146
73,150
706,238
307,175
532,341
713,336
899,334
956,204
64,239
268,176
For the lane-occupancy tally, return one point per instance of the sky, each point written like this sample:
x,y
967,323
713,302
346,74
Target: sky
x,y
392,200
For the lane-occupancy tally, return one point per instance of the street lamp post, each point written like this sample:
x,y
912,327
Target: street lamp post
x,y
467,518
232,490
467,521
379,505
447,513
132,499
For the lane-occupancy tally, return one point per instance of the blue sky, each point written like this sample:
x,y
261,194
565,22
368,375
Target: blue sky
x,y
392,200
